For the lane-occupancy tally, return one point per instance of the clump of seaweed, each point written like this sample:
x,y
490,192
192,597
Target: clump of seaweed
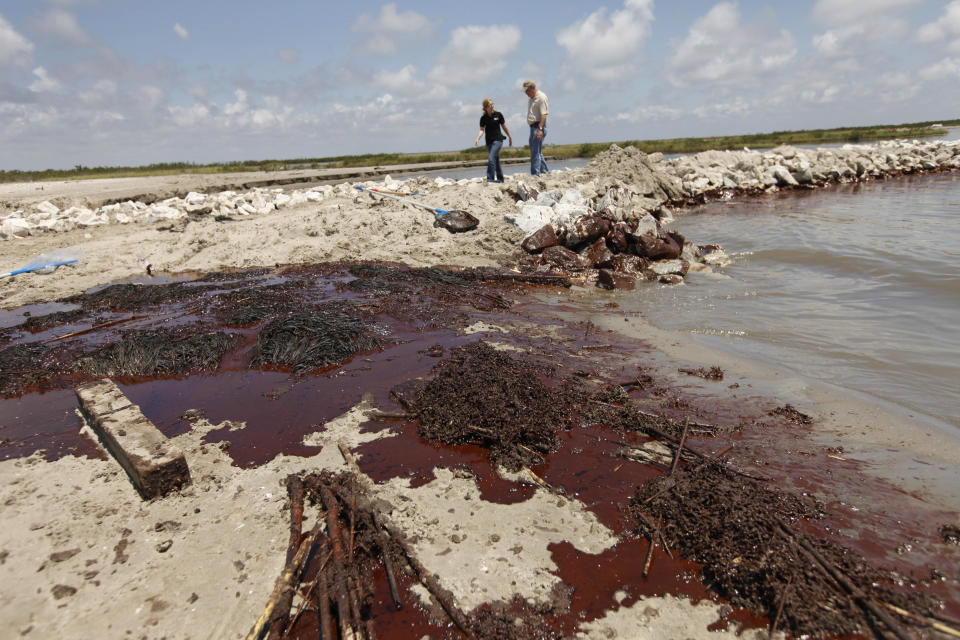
x,y
597,410
21,367
247,306
737,529
445,284
128,297
150,353
325,336
482,395
226,276
36,324
374,286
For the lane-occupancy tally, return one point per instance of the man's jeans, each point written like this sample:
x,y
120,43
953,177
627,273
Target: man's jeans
x,y
494,170
537,164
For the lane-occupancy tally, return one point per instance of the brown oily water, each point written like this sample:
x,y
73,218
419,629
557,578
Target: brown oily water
x,y
745,510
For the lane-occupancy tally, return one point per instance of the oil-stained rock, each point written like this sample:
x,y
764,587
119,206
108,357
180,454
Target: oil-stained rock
x,y
545,236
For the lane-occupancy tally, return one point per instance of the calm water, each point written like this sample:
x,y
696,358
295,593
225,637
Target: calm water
x,y
858,286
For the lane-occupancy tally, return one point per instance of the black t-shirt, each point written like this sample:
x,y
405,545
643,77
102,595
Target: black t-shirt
x,y
491,126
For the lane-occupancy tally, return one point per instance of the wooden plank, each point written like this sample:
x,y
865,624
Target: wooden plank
x,y
154,465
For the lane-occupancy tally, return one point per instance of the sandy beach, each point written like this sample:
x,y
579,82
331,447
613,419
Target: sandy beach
x,y
84,556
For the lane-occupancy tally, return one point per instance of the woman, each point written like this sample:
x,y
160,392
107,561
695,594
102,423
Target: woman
x,y
490,123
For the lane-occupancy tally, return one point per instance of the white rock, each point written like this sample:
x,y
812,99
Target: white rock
x,y
572,196
164,212
782,175
296,199
193,198
664,267
15,227
564,213
48,207
647,225
531,217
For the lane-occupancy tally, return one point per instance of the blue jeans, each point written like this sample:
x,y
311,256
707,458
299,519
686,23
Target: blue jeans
x,y
537,164
494,170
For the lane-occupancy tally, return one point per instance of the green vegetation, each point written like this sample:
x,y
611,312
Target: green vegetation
x,y
582,150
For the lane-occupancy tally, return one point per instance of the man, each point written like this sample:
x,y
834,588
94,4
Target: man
x,y
537,110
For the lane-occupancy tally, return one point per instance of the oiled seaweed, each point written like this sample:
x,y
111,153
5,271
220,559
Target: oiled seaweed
x,y
325,336
150,353
483,395
740,531
129,297
21,366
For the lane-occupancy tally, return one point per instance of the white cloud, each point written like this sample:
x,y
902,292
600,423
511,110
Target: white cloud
x,y
239,106
390,29
101,92
645,113
836,42
946,26
606,48
290,56
63,26
14,48
147,97
847,11
403,81
738,107
820,93
897,86
181,31
474,55
945,68
43,82
719,49
192,116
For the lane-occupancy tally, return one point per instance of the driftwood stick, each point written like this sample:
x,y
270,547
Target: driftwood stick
x,y
323,606
295,491
387,564
783,600
922,621
659,532
308,594
339,570
281,616
353,589
102,325
349,457
285,582
859,596
649,558
378,413
683,440
430,582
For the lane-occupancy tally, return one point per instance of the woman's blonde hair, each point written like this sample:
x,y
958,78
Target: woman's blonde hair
x,y
487,101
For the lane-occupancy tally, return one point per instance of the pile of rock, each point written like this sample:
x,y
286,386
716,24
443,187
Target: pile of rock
x,y
625,243
47,217
792,167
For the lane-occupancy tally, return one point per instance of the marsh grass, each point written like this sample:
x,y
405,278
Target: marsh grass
x,y
479,153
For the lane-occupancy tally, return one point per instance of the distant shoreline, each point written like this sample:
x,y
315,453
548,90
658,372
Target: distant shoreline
x,y
476,156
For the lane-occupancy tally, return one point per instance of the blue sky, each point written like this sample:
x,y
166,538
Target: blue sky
x,y
129,82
